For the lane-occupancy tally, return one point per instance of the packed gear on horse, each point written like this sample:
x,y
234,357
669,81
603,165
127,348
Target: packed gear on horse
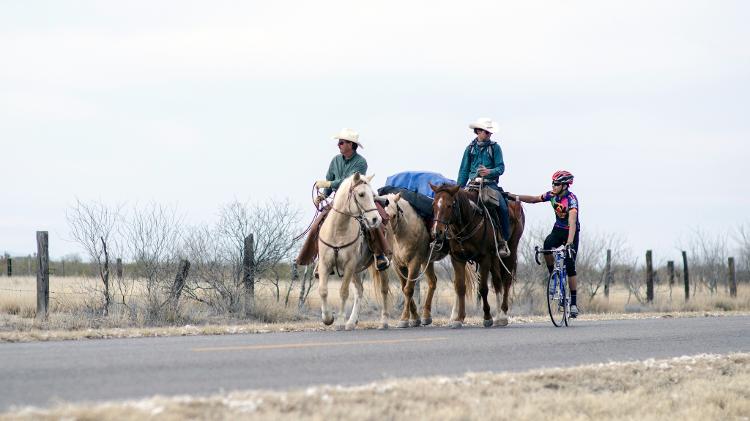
x,y
414,187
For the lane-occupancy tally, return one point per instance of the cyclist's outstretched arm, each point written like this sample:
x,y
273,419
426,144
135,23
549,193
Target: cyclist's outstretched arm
x,y
526,198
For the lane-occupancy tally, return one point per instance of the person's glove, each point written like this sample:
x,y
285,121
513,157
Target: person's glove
x,y
318,199
569,250
322,184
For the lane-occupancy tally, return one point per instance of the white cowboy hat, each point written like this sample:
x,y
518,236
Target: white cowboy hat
x,y
350,135
484,124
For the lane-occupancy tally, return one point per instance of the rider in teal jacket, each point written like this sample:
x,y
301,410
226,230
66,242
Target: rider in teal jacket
x,y
484,158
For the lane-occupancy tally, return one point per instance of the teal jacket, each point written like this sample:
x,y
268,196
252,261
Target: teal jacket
x,y
479,153
341,168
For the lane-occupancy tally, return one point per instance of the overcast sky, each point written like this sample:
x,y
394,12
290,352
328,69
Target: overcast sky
x,y
196,104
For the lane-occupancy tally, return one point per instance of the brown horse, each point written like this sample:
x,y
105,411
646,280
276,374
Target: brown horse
x,y
469,232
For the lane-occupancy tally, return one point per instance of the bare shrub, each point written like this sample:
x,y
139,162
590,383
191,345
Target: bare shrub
x,y
707,253
154,235
94,227
217,252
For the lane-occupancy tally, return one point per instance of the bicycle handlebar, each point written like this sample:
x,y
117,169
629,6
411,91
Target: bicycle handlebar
x,y
567,252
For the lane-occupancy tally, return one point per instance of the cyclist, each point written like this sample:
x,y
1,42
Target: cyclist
x,y
566,228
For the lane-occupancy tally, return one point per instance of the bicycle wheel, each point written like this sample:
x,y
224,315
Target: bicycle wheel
x,y
566,300
554,302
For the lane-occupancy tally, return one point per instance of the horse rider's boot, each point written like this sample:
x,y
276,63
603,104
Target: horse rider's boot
x,y
502,245
382,262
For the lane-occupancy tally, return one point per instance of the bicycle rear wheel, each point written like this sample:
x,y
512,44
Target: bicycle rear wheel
x,y
554,301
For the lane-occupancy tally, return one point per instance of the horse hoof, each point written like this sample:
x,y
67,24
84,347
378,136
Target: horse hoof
x,y
415,323
427,321
351,326
328,321
383,326
402,324
488,323
455,325
501,321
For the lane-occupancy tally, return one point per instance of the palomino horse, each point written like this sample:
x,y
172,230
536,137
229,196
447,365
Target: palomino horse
x,y
470,236
411,254
342,247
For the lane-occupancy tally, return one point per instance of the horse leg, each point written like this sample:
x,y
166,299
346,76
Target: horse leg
x,y
358,294
344,294
380,281
458,314
484,290
323,292
432,285
498,283
402,276
414,320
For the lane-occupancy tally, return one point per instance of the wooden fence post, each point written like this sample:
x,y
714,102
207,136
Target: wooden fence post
x,y
42,275
248,273
649,276
685,275
179,282
10,267
732,279
118,268
670,269
608,273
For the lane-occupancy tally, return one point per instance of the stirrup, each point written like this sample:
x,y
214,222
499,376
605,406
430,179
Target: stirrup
x,y
502,247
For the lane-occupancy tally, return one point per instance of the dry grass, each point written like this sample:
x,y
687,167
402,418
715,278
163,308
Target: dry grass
x,y
686,388
73,311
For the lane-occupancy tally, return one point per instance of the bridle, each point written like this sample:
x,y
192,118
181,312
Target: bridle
x,y
359,218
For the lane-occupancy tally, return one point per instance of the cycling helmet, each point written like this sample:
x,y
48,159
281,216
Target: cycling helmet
x,y
562,177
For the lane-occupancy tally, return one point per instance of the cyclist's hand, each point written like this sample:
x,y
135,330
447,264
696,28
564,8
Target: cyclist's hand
x,y
569,250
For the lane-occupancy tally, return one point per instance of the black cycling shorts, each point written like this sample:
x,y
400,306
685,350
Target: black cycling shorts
x,y
559,237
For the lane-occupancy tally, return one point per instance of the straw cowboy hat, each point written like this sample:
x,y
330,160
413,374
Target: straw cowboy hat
x,y
484,124
350,135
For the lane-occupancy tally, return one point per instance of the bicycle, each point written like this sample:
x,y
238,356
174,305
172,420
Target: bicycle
x,y
558,293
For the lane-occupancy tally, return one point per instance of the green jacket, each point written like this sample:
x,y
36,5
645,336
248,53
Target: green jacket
x,y
341,168
479,153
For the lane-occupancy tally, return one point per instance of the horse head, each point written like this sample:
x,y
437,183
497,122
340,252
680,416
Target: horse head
x,y
359,200
443,206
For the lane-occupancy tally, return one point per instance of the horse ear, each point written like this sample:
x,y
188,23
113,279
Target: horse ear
x,y
397,197
454,189
433,187
356,177
369,178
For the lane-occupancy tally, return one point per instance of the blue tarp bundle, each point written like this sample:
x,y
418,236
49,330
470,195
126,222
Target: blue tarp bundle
x,y
414,187
418,181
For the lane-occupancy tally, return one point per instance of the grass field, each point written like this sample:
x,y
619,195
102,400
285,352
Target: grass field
x,y
703,387
74,311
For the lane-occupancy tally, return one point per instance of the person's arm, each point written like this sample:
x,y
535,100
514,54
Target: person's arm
x,y
463,171
526,198
498,166
330,176
572,221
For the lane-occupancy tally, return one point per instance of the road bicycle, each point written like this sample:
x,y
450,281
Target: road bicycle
x,y
558,292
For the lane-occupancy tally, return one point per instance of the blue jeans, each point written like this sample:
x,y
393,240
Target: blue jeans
x,y
502,212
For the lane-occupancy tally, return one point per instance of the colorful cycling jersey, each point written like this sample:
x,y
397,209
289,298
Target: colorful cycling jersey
x,y
562,206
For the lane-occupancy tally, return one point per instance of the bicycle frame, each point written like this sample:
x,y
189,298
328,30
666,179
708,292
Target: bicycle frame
x,y
558,290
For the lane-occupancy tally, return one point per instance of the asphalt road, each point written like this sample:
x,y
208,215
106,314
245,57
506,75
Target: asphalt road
x,y
43,373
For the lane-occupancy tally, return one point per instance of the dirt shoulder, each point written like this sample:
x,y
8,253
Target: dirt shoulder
x,y
35,333
688,388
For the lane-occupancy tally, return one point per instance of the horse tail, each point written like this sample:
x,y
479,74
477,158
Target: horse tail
x,y
380,285
471,279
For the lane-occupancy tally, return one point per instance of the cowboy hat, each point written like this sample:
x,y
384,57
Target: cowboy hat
x,y
485,124
350,135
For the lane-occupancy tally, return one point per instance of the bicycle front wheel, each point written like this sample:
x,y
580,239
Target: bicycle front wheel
x,y
555,302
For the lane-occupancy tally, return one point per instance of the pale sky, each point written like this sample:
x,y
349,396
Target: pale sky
x,y
196,104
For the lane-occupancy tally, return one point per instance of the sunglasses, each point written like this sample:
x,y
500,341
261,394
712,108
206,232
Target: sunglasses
x,y
342,142
557,184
